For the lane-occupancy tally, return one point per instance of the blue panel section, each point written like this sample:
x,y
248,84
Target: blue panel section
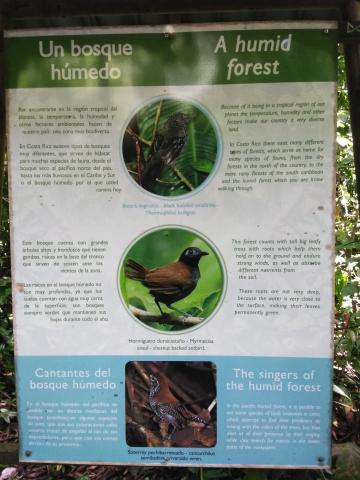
x,y
275,411
71,408
270,411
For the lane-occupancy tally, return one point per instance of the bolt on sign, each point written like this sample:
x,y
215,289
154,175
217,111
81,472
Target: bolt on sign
x,y
172,233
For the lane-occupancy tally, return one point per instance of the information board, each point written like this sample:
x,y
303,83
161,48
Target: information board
x,y
172,242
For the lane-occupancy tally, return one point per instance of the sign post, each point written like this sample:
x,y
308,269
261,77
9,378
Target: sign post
x,y
172,238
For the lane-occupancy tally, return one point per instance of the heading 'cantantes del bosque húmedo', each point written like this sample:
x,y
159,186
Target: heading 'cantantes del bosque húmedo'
x,y
109,50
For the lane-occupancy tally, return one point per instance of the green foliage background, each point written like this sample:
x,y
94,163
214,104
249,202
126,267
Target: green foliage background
x,y
346,405
164,246
196,160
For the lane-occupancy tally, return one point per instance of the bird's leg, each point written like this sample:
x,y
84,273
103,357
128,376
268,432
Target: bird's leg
x,y
158,305
163,314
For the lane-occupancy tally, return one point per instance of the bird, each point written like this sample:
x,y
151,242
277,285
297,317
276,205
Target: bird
x,y
165,148
174,414
171,282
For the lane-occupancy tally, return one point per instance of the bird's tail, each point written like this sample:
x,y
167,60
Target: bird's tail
x,y
191,417
152,171
135,271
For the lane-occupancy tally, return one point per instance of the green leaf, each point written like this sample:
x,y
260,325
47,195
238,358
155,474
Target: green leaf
x,y
210,302
122,286
348,245
203,165
137,302
350,289
340,391
7,415
195,312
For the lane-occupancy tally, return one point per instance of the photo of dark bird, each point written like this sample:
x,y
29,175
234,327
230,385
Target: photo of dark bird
x,y
165,148
172,282
175,414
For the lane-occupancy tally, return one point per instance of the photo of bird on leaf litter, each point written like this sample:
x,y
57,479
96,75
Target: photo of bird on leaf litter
x,y
171,404
170,147
171,279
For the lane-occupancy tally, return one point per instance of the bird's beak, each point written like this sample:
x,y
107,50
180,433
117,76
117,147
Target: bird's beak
x,y
204,253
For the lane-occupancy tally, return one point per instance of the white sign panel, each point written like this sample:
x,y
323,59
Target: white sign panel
x,y
172,238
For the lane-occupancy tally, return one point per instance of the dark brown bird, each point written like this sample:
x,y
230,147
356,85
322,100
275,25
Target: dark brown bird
x,y
174,414
166,148
172,282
